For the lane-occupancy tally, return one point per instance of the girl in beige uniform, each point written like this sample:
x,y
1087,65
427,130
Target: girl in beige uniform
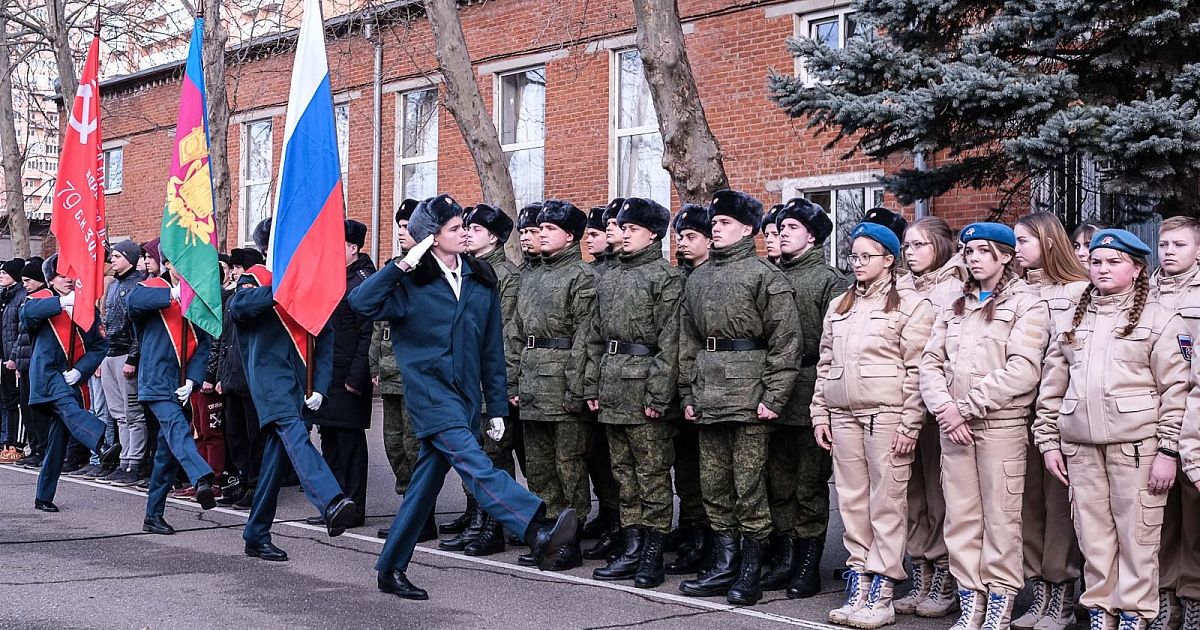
x,y
1108,418
1053,562
979,375
867,410
937,273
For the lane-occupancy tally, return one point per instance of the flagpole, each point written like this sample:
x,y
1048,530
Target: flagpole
x,y
97,31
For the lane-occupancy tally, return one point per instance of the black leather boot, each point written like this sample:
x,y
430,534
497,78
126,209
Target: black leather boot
x,y
747,590
625,566
650,568
692,556
679,537
596,527
610,542
460,522
777,575
570,555
474,530
807,581
490,542
721,573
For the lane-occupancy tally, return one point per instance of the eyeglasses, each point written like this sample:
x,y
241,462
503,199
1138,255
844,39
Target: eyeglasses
x,y
915,245
863,259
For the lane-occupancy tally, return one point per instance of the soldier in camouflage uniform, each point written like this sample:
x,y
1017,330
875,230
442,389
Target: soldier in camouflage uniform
x,y
634,340
548,339
739,347
770,233
798,470
595,240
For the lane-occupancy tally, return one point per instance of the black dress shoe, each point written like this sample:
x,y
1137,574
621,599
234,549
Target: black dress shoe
x,y
156,525
383,532
527,560
545,543
44,506
341,515
266,551
396,583
204,494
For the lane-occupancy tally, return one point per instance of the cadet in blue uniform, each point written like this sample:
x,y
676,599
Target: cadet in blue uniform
x,y
64,358
271,344
168,340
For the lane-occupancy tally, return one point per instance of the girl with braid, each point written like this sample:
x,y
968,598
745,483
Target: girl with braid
x,y
979,377
1052,560
1109,412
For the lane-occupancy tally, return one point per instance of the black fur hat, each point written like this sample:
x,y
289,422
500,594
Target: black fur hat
x,y
431,215
356,233
611,210
770,216
596,218
262,235
887,219
528,216
404,212
565,215
693,217
811,215
739,206
647,213
245,258
492,219
50,268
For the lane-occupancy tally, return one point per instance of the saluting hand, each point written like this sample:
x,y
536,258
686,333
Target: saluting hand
x,y
1056,465
410,260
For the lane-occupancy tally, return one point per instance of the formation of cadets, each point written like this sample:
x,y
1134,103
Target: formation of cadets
x,y
1000,409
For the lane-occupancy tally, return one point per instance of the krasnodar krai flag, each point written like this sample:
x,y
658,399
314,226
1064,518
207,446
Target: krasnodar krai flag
x,y
189,229
307,251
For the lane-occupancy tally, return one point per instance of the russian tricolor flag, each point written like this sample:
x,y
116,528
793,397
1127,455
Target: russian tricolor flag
x,y
307,255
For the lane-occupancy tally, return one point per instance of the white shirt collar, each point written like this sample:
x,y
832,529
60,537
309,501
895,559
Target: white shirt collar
x,y
453,276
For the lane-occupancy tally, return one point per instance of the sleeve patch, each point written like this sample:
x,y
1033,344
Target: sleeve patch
x,y
1185,346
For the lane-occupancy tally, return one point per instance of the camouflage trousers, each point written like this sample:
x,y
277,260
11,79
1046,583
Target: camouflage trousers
x,y
600,469
399,442
642,455
556,464
733,478
687,473
798,473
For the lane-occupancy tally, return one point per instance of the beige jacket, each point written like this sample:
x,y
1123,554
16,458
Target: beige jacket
x,y
1108,389
1189,435
869,358
990,370
1061,299
1180,294
940,287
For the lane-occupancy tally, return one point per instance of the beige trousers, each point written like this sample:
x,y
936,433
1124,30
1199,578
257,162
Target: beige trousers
x,y
1180,556
926,505
1050,549
983,484
872,491
1118,523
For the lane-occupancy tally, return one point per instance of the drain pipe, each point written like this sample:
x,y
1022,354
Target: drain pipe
x,y
376,139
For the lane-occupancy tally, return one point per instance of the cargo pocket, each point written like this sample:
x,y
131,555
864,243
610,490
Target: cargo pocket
x,y
549,388
901,474
1014,484
1150,517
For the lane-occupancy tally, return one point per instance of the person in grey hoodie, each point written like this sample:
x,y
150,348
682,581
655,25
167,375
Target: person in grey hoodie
x,y
118,376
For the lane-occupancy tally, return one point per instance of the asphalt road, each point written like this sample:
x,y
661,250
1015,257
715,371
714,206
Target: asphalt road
x,y
90,566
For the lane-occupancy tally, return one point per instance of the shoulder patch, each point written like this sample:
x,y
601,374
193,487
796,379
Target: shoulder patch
x,y
1185,346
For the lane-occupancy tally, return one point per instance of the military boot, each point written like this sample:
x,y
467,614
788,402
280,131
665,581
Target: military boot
x,y
721,572
1130,621
474,530
1099,619
490,542
807,581
596,527
972,609
999,611
922,575
943,598
681,536
624,566
1191,614
878,611
1168,608
570,555
462,521
778,574
858,586
610,543
1060,611
691,557
650,567
1040,589
747,590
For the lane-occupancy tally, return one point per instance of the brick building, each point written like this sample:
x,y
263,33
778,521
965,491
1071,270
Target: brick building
x,y
570,103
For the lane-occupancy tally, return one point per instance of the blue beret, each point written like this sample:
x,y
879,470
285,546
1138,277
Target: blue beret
x,y
879,234
1120,240
995,232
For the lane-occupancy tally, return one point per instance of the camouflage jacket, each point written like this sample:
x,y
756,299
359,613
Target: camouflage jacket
x,y
605,262
816,285
640,298
554,300
508,281
736,295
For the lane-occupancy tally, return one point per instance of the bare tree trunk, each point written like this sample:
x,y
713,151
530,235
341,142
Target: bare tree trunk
x,y
59,38
466,106
690,150
215,37
18,222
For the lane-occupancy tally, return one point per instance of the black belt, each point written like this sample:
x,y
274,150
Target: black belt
x,y
809,360
712,344
553,343
634,349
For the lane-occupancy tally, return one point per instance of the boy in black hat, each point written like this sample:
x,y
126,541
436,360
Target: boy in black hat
x,y
17,356
770,234
10,418
595,239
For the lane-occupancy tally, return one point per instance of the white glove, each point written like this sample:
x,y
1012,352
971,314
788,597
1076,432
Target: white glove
x,y
67,300
314,402
497,429
183,393
175,292
414,255
72,376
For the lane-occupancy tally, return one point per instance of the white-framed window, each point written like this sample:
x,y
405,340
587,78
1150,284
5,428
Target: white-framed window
x,y
636,150
416,144
846,205
114,170
256,166
341,122
831,27
521,121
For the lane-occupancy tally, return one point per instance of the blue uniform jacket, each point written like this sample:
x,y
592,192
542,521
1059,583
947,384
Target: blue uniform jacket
x,y
158,368
46,382
450,352
277,377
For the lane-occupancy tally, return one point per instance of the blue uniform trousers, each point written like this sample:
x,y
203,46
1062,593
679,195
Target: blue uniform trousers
x,y
497,493
67,418
287,439
176,447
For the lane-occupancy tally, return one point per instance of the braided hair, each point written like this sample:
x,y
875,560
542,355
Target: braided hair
x,y
1006,277
890,303
1141,293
